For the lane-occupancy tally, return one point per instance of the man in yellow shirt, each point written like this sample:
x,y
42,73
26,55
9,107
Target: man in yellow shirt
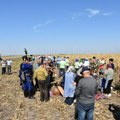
x,y
41,75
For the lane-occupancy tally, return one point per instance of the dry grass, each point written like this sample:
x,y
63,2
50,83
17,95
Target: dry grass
x,y
13,105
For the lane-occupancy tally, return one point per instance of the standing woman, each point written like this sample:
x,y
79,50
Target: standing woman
x,y
109,72
69,87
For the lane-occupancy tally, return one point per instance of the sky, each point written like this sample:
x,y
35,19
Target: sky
x,y
59,26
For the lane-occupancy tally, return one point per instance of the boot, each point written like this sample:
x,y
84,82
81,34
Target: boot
x,y
30,95
25,94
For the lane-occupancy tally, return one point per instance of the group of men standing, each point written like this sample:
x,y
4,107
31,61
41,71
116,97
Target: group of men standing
x,y
36,74
6,65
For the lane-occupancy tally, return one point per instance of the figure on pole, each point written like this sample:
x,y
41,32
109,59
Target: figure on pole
x,y
25,50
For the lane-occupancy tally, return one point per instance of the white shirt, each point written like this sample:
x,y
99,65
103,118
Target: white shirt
x,y
67,62
9,62
87,63
102,62
81,64
3,64
77,65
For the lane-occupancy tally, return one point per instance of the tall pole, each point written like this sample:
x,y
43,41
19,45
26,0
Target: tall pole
x,y
0,57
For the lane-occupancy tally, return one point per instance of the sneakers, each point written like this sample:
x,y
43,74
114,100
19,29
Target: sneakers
x,y
109,95
31,97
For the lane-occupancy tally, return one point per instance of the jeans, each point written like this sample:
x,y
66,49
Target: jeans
x,y
108,89
85,111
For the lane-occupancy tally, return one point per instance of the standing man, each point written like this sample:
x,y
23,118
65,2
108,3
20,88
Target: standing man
x,y
58,62
3,64
41,75
9,66
62,67
77,65
67,63
111,61
26,78
85,93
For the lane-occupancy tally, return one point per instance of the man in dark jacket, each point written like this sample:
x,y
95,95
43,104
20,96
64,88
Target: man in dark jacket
x,y
111,61
85,93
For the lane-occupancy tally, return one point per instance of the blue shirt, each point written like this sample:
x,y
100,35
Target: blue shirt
x,y
69,88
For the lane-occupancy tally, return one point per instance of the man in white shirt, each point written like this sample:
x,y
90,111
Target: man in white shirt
x,y
9,66
87,63
102,61
67,63
3,64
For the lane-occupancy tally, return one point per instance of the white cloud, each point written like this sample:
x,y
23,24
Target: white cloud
x,y
36,28
107,14
92,12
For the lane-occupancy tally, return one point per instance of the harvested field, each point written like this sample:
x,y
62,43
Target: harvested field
x,y
13,105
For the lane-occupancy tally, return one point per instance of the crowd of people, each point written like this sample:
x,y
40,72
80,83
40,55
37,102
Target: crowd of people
x,y
80,81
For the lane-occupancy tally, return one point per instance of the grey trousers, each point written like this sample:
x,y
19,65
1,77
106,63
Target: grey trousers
x,y
9,69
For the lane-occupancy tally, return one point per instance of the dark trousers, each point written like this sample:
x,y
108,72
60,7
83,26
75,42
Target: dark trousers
x,y
76,69
58,66
108,89
62,72
103,85
43,87
67,68
9,69
3,70
36,84
69,100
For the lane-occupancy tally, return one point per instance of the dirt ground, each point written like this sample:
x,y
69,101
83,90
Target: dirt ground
x,y
13,105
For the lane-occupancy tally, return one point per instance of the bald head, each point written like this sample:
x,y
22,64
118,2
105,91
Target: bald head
x,y
86,73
